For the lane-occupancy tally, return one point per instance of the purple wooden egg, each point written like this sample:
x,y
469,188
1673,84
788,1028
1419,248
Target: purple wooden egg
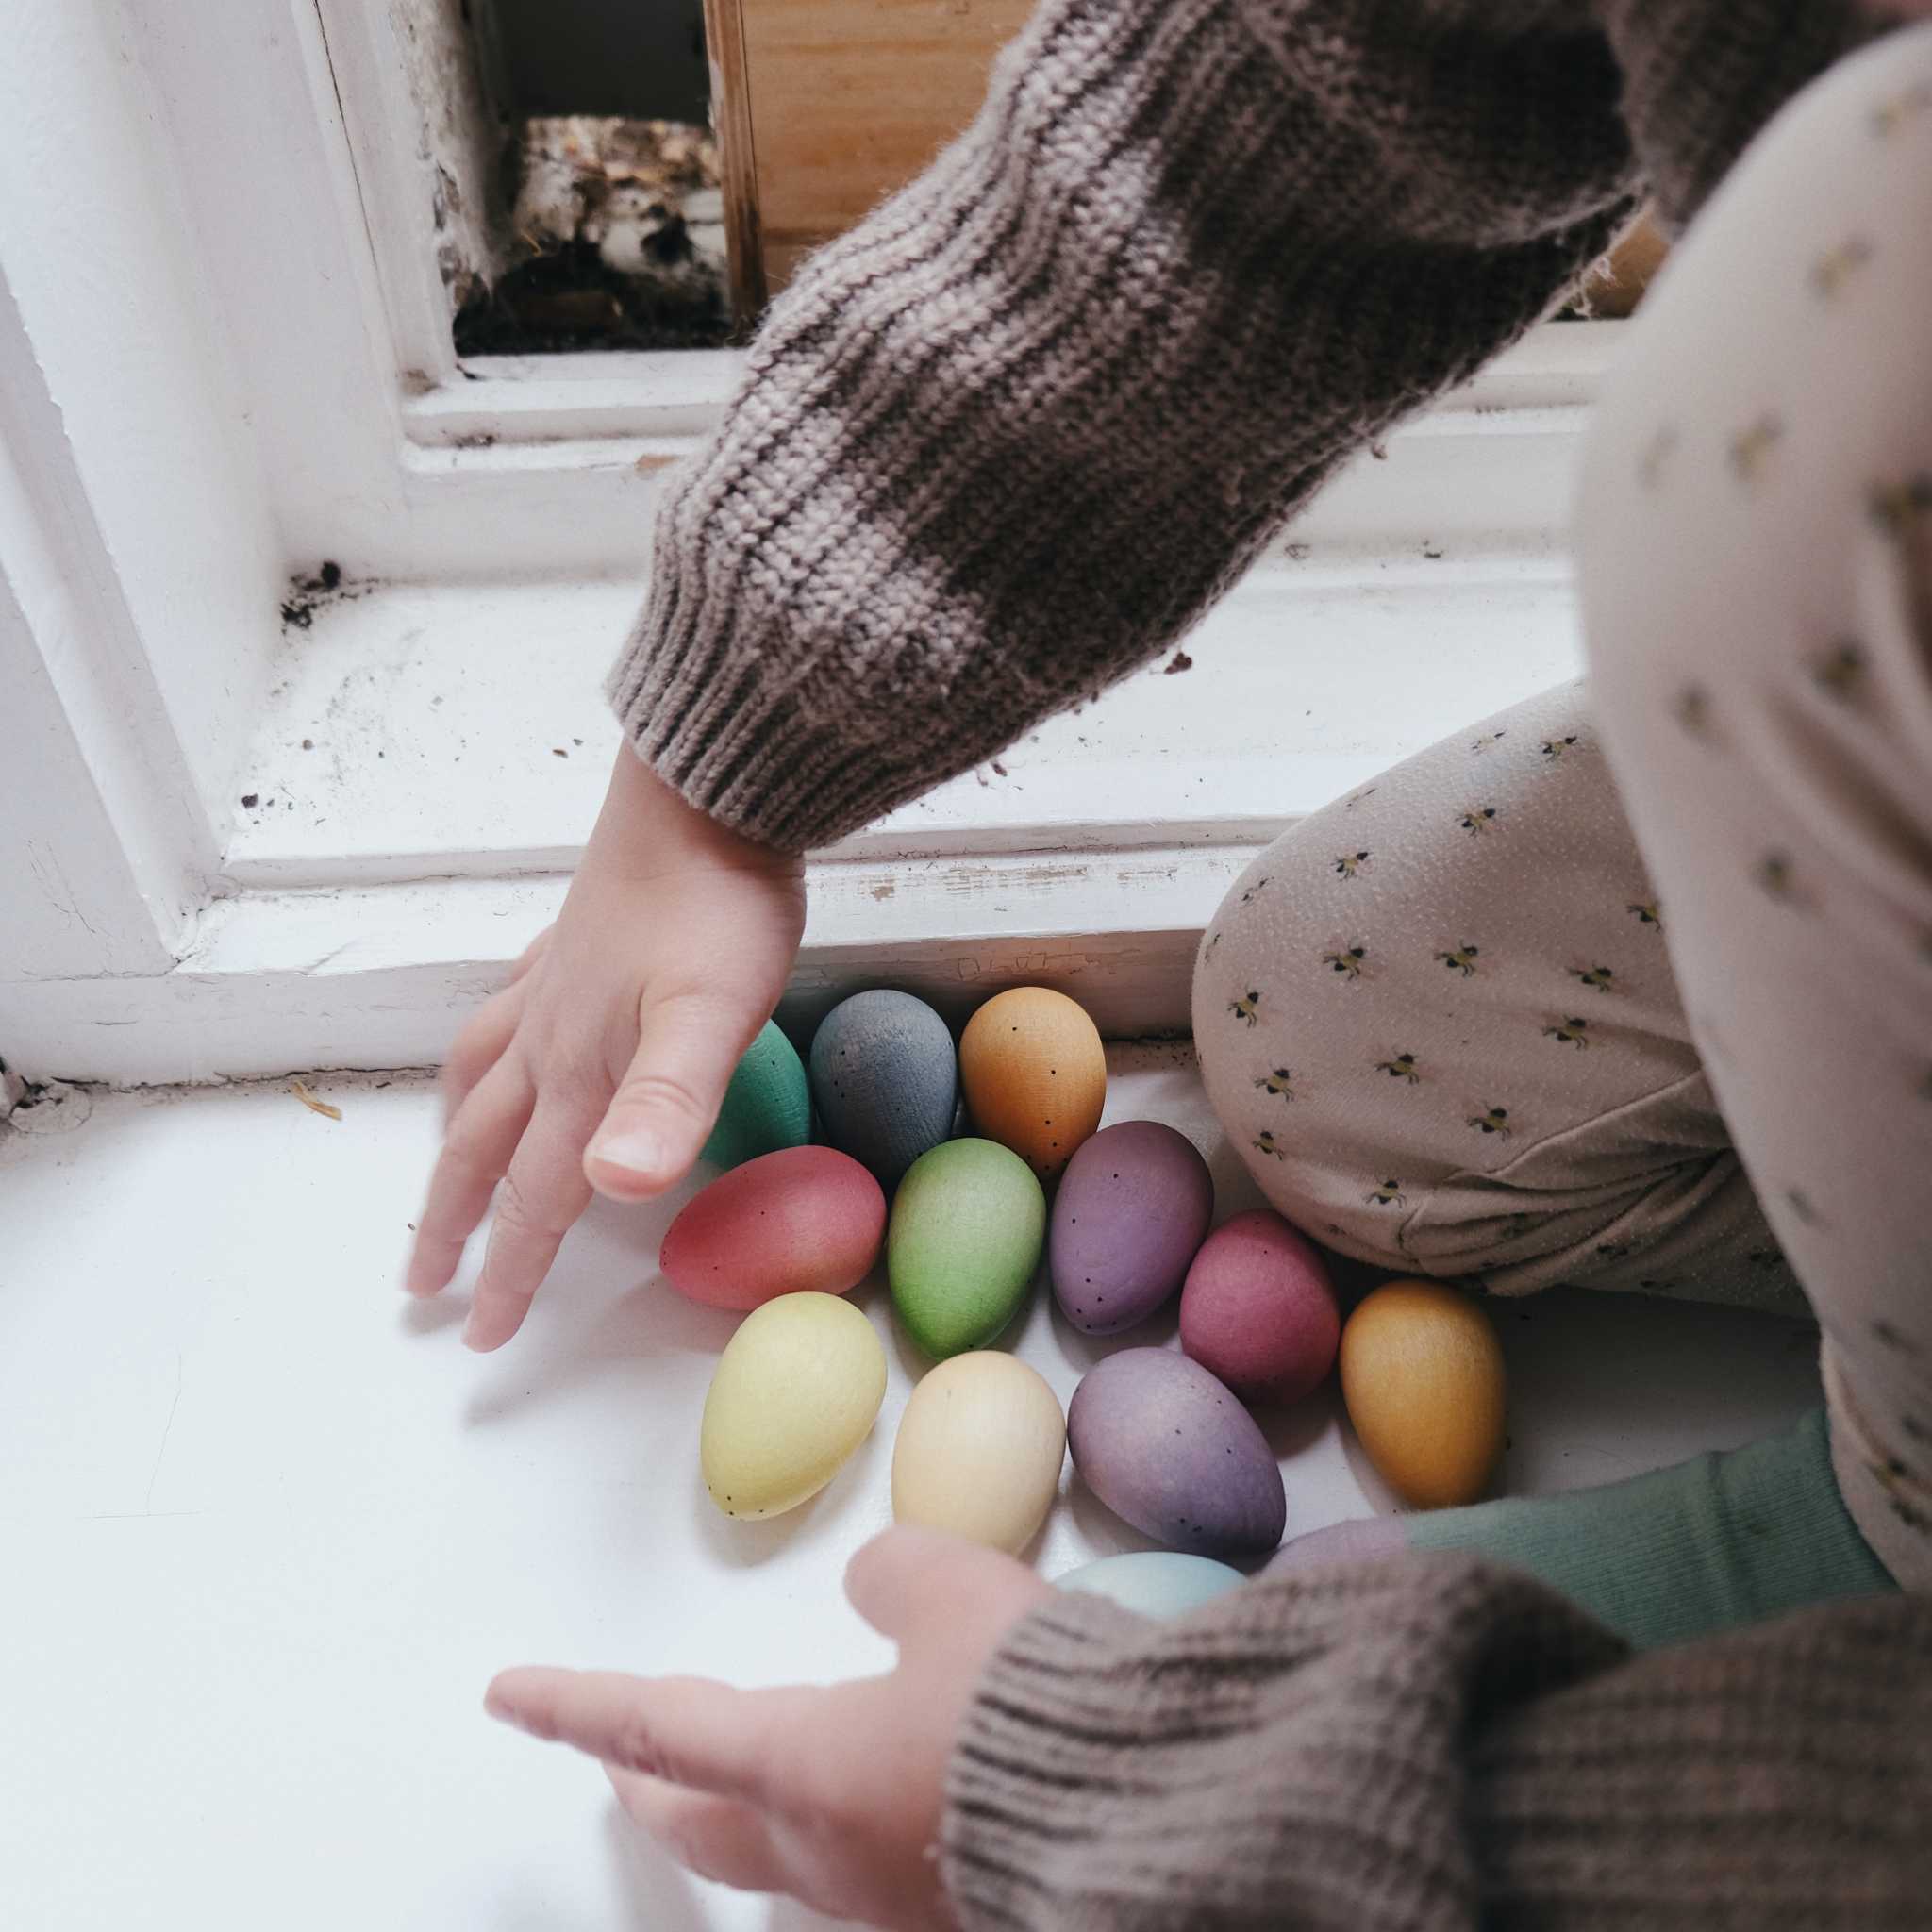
x,y
1133,1206
1172,1451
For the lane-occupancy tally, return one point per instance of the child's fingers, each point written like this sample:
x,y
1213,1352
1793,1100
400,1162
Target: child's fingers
x,y
720,1839
909,1577
542,1193
687,1731
476,1150
479,1047
529,955
689,1041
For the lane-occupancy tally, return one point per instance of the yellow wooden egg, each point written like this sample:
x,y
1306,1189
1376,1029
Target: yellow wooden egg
x,y
1422,1374
979,1451
795,1393
1034,1074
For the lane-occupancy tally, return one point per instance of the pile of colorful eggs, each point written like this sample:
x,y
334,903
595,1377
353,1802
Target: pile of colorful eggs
x,y
1165,1439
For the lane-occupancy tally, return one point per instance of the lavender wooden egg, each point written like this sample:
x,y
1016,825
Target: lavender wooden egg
x,y
886,1077
1133,1206
802,1220
1171,1449
1258,1311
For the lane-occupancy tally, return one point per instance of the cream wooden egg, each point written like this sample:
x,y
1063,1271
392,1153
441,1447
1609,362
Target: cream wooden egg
x,y
979,1450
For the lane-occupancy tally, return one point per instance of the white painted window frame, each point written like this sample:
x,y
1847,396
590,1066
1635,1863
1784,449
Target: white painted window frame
x,y
224,357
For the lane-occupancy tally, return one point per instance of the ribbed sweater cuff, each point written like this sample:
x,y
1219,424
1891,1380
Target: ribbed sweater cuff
x,y
1287,1755
701,695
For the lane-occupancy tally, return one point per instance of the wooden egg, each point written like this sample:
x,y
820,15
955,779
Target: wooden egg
x,y
1153,1583
1422,1374
968,1223
887,1080
1132,1210
766,1107
1258,1309
1171,1449
979,1451
796,1391
802,1218
1035,1074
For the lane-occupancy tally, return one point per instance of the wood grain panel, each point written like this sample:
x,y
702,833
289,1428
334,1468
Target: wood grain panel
x,y
825,107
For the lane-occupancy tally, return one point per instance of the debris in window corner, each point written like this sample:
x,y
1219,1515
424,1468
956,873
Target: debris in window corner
x,y
327,1109
1379,450
1297,553
309,744
309,594
477,439
249,800
999,767
556,751
616,242
1432,553
1179,662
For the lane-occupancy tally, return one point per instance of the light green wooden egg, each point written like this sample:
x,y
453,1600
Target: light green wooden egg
x,y
964,1241
767,1105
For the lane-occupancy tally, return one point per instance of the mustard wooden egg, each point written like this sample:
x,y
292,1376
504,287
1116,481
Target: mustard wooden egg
x,y
1422,1374
1034,1074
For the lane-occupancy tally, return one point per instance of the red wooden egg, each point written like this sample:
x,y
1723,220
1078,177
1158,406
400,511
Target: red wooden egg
x,y
804,1219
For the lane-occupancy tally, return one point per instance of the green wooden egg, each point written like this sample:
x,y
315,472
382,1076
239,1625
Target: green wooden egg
x,y
964,1241
767,1105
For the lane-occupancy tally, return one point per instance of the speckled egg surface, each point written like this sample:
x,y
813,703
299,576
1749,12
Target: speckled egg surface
x,y
1133,1206
796,1391
1153,1583
1258,1309
963,1245
802,1218
887,1080
1034,1074
1171,1449
1422,1374
767,1105
979,1449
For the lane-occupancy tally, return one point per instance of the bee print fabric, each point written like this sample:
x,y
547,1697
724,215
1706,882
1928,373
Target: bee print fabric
x,y
1440,1019
1494,1024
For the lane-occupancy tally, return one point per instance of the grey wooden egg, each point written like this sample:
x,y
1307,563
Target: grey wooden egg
x,y
886,1078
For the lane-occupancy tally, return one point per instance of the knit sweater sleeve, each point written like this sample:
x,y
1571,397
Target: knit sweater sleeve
x,y
1011,435
1434,1745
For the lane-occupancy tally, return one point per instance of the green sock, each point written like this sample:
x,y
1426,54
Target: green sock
x,y
1715,1541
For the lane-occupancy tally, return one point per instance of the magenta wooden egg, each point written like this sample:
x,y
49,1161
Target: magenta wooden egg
x,y
805,1219
1258,1309
1133,1206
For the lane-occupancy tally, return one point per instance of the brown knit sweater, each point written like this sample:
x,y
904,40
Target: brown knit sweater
x,y
995,448
1008,437
1432,1745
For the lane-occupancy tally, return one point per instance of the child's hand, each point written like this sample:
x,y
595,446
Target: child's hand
x,y
617,1034
831,1796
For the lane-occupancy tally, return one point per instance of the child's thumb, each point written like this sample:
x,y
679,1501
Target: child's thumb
x,y
909,1578
688,1043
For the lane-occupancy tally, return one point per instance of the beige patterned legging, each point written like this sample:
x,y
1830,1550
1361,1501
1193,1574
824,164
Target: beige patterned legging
x,y
1482,1020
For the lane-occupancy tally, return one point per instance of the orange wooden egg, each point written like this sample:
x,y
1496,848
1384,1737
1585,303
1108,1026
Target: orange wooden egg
x,y
1034,1075
1422,1374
